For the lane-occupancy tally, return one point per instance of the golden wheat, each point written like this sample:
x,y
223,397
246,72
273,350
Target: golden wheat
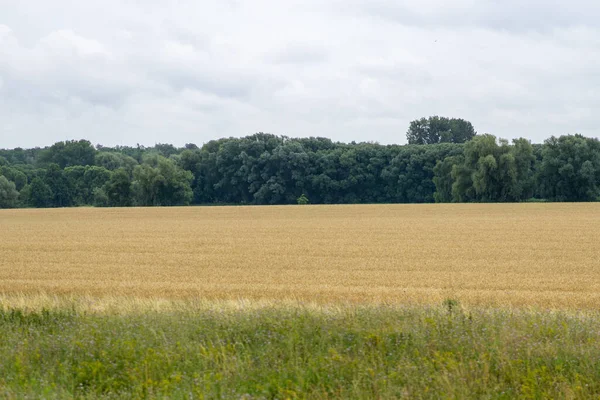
x,y
544,255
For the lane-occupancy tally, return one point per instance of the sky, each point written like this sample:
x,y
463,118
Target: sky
x,y
122,72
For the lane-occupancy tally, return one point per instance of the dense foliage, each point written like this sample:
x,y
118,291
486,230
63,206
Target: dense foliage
x,y
367,352
437,129
269,169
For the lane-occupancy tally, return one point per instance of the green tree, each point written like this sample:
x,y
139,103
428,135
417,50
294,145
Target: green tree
x,y
462,186
516,171
570,169
278,177
13,174
270,169
164,184
39,194
197,162
100,199
62,188
74,176
112,161
410,173
165,150
84,180
94,177
492,171
69,153
8,193
443,179
118,189
437,129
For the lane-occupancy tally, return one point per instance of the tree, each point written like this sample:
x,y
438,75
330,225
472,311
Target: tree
x,y
269,169
570,169
100,199
439,130
84,180
118,189
8,193
19,156
411,171
516,171
69,153
62,189
278,177
13,174
94,178
39,194
442,178
491,171
165,150
164,184
112,161
200,163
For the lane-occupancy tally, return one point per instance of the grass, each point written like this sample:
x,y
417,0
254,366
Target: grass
x,y
543,255
251,350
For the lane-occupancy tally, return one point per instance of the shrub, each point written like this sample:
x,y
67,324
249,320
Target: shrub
x,y
303,200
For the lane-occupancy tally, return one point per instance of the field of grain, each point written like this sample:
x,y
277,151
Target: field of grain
x,y
542,255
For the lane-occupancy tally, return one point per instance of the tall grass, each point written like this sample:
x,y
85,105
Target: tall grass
x,y
298,351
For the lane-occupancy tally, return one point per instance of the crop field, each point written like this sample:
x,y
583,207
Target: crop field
x,y
318,302
540,255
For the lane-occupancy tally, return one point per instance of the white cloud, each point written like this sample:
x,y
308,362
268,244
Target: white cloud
x,y
126,72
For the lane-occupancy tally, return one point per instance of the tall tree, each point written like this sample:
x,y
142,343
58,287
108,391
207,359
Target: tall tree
x,y
13,174
437,129
8,193
570,169
38,194
164,184
69,153
112,161
491,171
443,179
118,189
62,188
84,180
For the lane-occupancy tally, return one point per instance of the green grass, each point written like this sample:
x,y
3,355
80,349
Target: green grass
x,y
300,352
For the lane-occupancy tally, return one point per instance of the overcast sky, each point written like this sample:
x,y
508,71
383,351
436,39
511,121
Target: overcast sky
x,y
188,71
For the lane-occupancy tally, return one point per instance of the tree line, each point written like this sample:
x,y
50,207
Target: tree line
x,y
269,169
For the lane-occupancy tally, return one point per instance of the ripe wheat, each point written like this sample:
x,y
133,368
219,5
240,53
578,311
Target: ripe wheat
x,y
544,255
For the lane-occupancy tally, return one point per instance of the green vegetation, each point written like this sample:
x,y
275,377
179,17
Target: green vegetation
x,y
8,193
298,351
436,129
303,200
445,162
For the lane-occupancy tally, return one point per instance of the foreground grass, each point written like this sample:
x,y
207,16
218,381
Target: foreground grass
x,y
296,351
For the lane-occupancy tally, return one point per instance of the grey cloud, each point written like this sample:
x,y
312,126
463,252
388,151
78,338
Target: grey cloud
x,y
63,64
509,15
133,72
296,53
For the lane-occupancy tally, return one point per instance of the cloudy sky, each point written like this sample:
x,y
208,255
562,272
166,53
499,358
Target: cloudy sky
x,y
181,71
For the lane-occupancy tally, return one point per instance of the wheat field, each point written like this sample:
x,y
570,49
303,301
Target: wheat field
x,y
539,255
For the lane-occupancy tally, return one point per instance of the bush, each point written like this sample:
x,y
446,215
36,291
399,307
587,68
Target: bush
x,y
303,200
